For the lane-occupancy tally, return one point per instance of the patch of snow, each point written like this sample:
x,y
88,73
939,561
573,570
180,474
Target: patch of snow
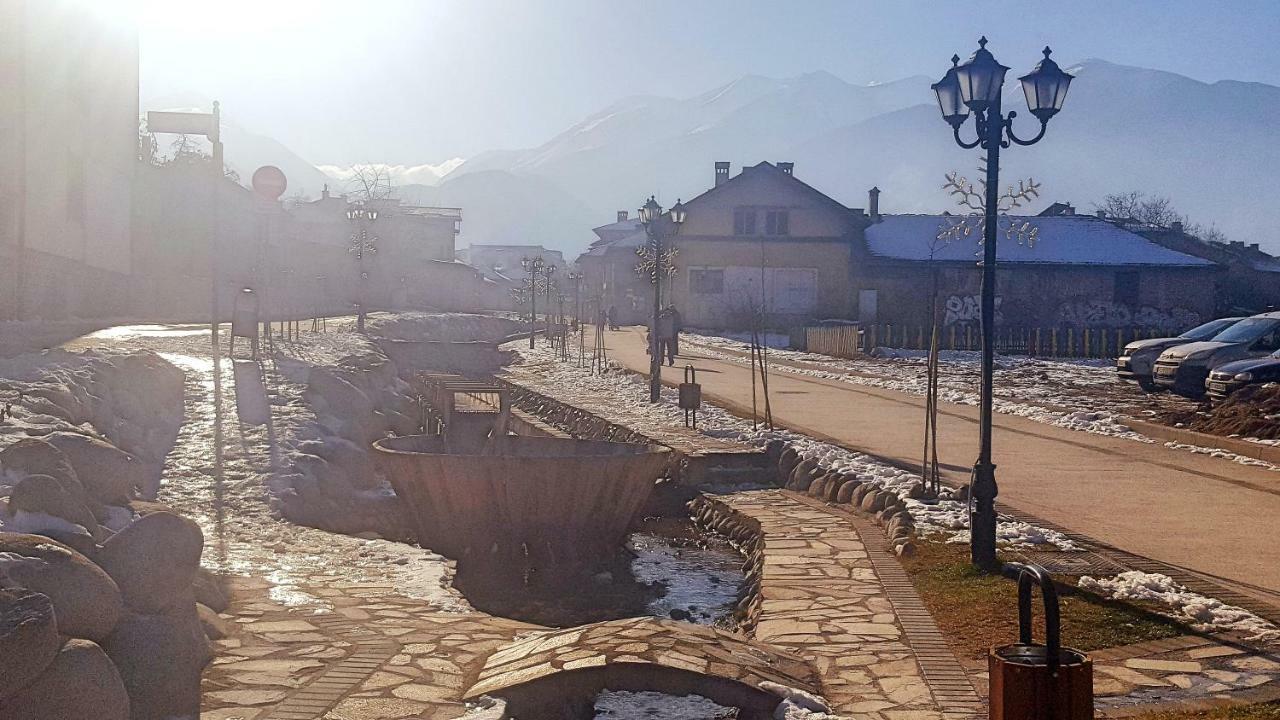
x,y
1204,613
619,395
1222,454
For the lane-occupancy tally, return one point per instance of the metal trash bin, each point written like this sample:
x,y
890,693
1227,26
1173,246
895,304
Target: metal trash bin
x,y
1030,681
690,396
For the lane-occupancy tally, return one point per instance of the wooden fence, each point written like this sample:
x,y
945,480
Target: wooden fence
x,y
846,341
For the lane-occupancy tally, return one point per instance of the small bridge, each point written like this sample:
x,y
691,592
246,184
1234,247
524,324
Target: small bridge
x,y
544,673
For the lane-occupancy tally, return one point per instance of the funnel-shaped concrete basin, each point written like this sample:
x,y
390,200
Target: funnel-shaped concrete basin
x,y
527,499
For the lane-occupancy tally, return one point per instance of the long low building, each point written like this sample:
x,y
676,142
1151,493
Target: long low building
x,y
764,247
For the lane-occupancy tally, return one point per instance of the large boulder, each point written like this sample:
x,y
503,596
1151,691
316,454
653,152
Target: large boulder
x,y
85,598
210,591
44,494
802,476
109,474
34,456
845,493
29,638
160,659
787,462
154,561
80,684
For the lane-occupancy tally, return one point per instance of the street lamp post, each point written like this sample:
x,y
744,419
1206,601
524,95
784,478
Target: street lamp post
x,y
362,244
656,261
975,86
532,266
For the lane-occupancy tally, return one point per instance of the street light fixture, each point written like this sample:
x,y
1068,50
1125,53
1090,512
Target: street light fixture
x,y
975,87
361,245
657,262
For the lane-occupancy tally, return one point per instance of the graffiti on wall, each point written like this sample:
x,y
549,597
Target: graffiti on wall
x,y
1099,313
967,309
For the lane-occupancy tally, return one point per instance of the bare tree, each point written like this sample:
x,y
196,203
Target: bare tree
x,y
1157,211
1139,207
370,183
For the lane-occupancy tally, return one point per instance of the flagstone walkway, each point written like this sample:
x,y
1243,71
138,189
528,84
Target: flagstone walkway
x,y
831,594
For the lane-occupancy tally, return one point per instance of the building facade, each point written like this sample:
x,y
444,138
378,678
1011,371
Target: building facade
x,y
68,151
764,248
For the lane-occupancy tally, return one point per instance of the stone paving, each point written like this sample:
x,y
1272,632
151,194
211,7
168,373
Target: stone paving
x,y
642,642
821,596
376,654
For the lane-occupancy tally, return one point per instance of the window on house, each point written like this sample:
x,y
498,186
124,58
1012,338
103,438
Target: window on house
x,y
705,281
744,221
1126,290
777,222
75,188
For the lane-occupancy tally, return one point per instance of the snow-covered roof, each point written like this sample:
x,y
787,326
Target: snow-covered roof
x,y
619,226
602,247
1061,240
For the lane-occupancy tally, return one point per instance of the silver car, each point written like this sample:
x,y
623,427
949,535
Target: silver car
x,y
1184,368
1138,357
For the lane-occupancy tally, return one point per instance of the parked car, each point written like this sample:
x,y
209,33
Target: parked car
x,y
1226,379
1137,358
1185,368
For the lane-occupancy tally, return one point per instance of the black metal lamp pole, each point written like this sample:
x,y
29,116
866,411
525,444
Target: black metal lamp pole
x,y
361,245
976,86
657,264
533,266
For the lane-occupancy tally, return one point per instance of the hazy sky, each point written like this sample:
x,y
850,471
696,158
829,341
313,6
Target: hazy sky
x,y
421,81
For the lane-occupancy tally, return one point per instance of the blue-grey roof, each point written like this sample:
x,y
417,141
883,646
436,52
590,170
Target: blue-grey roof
x,y
1061,240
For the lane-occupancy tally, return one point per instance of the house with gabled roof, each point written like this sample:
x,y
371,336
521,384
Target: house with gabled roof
x,y
763,242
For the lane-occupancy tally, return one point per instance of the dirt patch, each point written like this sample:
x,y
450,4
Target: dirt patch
x,y
976,611
1252,411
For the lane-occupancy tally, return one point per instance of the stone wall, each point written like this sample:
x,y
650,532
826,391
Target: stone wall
x,y
103,609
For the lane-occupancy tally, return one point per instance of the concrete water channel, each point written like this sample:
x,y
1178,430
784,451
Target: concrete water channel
x,y
329,625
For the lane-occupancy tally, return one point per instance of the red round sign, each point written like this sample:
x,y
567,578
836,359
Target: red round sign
x,y
269,182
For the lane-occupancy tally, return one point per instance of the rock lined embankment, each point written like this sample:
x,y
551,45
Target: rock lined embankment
x,y
98,587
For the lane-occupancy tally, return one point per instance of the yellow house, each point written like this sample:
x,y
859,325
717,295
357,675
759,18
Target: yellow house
x,y
763,244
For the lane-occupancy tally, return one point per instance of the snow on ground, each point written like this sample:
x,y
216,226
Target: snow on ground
x,y
1202,612
1037,389
219,471
1040,390
623,395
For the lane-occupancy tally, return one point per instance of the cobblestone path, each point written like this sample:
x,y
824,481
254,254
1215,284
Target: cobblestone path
x,y
822,597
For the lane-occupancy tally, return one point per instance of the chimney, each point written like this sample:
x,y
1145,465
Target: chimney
x,y
1101,213
622,216
873,203
1176,226
1068,209
722,172
1254,247
787,167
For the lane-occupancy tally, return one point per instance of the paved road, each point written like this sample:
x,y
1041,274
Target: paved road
x,y
1203,513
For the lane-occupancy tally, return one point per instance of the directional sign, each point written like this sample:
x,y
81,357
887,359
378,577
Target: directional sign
x,y
269,182
183,123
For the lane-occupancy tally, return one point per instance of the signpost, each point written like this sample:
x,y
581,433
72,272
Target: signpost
x,y
208,125
269,184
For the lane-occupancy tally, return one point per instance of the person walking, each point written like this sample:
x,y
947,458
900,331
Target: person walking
x,y
673,343
665,332
612,316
